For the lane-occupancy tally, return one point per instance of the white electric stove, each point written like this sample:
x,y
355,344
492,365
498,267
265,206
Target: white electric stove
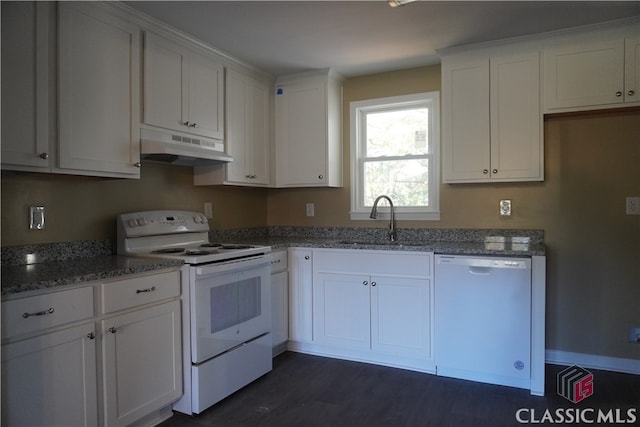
x,y
226,310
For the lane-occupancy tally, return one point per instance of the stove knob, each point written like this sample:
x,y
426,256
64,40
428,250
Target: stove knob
x,y
204,219
132,223
197,219
142,221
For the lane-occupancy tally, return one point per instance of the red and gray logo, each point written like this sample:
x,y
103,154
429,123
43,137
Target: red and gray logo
x,y
575,383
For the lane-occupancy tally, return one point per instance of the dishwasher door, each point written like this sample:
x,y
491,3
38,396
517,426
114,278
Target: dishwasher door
x,y
483,319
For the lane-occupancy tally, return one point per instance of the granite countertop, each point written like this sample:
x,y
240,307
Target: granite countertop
x,y
490,248
42,276
42,267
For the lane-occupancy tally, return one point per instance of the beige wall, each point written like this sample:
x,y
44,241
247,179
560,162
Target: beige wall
x,y
593,278
84,208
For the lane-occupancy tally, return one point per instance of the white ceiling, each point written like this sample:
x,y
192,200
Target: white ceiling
x,y
364,37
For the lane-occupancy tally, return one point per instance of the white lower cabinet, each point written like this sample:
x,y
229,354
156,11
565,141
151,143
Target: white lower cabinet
x,y
141,346
50,380
279,301
373,306
63,364
141,362
300,295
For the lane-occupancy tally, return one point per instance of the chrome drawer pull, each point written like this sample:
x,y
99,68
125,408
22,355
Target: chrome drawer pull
x,y
151,289
39,313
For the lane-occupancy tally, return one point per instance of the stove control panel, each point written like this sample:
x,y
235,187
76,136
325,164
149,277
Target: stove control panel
x,y
148,223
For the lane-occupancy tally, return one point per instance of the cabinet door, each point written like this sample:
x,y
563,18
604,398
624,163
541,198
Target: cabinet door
x,y
300,295
632,69
591,73
258,129
51,379
279,308
516,119
99,103
204,96
341,310
301,133
25,85
163,81
247,129
465,119
142,362
401,316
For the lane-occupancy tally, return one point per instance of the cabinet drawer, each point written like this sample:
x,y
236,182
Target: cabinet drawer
x,y
139,291
397,263
40,312
278,261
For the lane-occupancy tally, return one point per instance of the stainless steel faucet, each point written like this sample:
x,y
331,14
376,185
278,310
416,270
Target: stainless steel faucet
x,y
392,219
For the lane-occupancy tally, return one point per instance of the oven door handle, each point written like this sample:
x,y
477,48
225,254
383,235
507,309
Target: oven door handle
x,y
231,265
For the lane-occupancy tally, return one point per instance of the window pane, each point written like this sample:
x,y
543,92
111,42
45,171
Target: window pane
x,y
405,181
397,133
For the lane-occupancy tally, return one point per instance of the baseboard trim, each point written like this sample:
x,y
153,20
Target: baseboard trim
x,y
593,361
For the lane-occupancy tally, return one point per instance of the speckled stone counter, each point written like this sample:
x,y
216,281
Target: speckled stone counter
x,y
40,277
443,241
40,267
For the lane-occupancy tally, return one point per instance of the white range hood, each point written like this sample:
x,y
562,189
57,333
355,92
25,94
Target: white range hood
x,y
180,149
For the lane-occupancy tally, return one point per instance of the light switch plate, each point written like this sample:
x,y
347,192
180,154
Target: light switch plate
x,y
310,209
36,217
505,207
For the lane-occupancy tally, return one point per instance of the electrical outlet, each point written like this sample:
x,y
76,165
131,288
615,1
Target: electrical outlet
x,y
310,209
633,205
36,217
505,207
208,209
634,335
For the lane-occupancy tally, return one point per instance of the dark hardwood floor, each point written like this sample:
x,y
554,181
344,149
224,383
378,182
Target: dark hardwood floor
x,y
304,390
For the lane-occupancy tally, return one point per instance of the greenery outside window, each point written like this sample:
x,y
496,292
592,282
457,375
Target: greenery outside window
x,y
394,151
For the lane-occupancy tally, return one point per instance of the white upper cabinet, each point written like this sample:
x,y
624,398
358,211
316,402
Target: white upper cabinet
x,y
308,131
247,135
98,92
492,123
25,85
593,70
183,88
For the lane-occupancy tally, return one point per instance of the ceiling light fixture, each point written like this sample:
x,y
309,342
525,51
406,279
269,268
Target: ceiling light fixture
x,y
398,3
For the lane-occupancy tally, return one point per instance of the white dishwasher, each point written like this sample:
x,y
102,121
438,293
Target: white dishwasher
x,y
483,319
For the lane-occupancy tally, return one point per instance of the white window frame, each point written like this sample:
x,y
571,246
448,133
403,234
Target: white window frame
x,y
357,111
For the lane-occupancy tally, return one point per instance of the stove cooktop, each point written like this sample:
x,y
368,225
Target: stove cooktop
x,y
206,252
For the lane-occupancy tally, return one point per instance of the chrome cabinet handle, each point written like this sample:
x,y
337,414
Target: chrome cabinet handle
x,y
112,329
494,171
485,171
140,291
250,176
186,123
275,261
631,93
193,125
320,176
137,164
619,93
44,156
39,313
306,257
91,335
373,283
364,282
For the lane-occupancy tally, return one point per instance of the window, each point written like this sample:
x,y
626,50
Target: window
x,y
394,151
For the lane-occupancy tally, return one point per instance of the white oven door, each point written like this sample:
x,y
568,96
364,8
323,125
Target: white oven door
x,y
230,305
